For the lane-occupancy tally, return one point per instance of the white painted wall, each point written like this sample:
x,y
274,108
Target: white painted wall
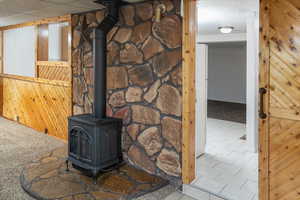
x,y
227,72
19,51
252,79
201,97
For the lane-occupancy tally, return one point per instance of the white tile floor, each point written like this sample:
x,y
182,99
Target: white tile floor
x,y
228,168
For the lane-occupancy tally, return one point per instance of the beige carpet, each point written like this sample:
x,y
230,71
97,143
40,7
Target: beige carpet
x,y
19,145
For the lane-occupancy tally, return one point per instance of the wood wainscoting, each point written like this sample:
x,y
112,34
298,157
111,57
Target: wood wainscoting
x,y
43,102
39,104
60,71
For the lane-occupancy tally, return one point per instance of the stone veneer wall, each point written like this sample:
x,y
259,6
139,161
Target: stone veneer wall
x,y
144,81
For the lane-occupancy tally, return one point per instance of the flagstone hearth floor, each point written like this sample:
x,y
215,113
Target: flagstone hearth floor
x,y
47,178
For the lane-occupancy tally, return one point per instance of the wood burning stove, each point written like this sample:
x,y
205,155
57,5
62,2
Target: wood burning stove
x,y
94,144
94,139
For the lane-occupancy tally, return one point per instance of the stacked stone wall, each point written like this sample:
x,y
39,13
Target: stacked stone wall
x,y
144,80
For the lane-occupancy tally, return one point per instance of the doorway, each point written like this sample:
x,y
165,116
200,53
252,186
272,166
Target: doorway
x,y
226,121
278,113
221,75
225,165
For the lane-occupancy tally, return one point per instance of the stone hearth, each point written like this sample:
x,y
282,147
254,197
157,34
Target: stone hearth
x,y
47,178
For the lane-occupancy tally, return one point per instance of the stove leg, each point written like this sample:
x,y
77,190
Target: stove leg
x,y
95,176
95,180
67,164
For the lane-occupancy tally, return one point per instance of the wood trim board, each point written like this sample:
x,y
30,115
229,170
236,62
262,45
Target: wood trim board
x,y
42,45
1,51
189,93
264,83
37,80
65,18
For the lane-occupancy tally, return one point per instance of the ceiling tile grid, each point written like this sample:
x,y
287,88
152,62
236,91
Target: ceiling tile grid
x,y
19,11
212,13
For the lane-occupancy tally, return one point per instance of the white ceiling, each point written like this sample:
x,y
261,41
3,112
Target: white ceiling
x,y
215,13
18,11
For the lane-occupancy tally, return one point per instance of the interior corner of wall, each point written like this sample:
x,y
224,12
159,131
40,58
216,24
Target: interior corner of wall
x,y
182,9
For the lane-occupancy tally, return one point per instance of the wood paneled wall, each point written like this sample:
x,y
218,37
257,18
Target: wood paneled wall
x,y
284,100
65,45
54,71
43,106
42,42
1,97
1,51
45,102
279,75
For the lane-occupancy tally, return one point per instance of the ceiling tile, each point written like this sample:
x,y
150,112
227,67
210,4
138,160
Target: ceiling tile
x,y
18,11
56,10
86,4
16,19
23,5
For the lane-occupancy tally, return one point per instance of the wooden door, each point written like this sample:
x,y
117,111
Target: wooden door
x,y
280,76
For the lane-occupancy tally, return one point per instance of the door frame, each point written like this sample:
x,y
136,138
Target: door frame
x,y
201,97
189,95
264,80
188,91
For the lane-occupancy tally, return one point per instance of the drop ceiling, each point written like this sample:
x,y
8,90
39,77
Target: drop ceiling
x,y
218,13
18,11
212,13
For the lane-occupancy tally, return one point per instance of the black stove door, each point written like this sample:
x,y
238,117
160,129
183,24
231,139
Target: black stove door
x,y
80,144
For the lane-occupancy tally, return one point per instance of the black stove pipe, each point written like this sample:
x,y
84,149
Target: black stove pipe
x,y
100,54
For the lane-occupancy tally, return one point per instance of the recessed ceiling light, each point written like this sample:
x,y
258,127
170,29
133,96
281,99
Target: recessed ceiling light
x,y
226,29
